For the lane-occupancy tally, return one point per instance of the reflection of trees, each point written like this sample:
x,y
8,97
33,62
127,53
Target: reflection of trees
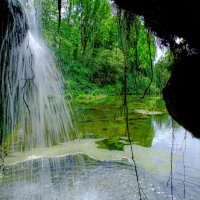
x,y
142,132
162,121
105,121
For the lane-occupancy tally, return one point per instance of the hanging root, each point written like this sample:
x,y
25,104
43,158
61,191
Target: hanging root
x,y
170,180
183,146
59,13
151,63
125,23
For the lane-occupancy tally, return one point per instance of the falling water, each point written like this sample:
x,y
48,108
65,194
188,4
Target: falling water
x,y
33,113
34,109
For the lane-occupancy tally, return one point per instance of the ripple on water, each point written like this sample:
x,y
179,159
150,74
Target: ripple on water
x,y
68,178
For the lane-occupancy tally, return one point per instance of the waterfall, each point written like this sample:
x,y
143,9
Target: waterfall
x,y
35,113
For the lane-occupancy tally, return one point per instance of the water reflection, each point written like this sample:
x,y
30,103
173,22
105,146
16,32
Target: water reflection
x,y
104,178
105,120
154,132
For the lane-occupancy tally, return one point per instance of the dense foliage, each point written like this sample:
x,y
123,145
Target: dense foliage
x,y
89,47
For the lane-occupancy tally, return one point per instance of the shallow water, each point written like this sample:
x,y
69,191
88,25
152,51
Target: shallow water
x,y
75,180
154,133
186,166
110,174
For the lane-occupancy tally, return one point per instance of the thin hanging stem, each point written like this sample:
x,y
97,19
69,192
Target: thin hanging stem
x,y
151,63
127,132
125,41
184,174
59,13
170,180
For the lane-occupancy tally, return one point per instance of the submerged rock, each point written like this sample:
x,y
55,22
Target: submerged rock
x,y
147,112
124,159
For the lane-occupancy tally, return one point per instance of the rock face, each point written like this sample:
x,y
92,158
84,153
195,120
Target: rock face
x,y
12,25
168,20
181,94
12,14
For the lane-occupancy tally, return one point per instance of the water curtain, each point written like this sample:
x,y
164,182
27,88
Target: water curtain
x,y
34,111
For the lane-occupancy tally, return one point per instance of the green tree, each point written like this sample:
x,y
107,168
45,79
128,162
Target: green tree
x,y
91,49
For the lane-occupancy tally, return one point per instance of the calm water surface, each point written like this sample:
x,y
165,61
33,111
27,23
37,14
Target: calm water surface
x,y
169,142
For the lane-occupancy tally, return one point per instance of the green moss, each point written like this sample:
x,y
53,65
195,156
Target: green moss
x,y
110,144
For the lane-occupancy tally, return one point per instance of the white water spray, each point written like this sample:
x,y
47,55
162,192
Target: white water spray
x,y
34,107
